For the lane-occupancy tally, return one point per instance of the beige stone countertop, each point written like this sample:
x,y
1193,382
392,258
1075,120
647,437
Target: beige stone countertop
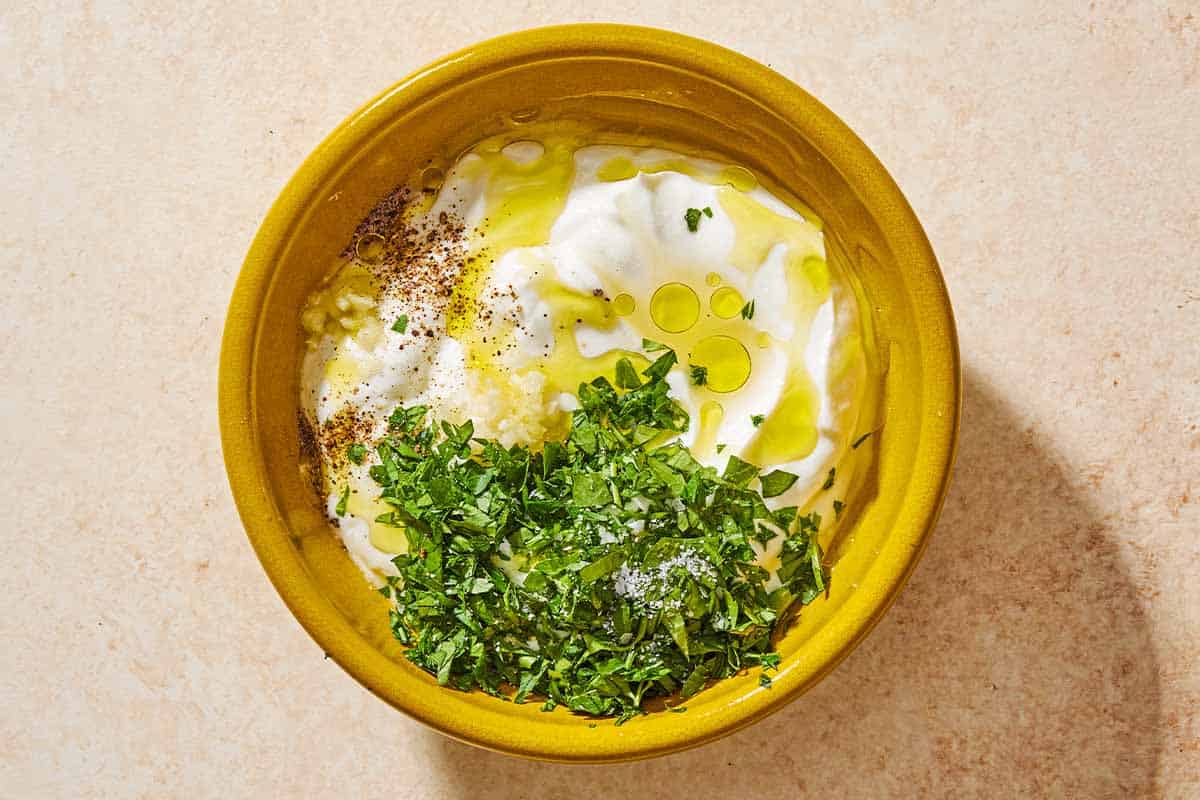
x,y
1048,644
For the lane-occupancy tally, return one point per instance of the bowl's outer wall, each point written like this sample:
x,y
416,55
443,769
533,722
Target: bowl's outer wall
x,y
684,93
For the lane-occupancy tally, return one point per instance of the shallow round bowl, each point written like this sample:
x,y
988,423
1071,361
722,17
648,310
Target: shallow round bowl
x,y
661,87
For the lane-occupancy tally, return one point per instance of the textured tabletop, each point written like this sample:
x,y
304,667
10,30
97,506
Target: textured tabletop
x,y
1047,645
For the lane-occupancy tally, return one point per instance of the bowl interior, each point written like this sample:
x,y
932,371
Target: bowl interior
x,y
630,85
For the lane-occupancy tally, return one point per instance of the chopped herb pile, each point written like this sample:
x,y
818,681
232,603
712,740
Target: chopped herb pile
x,y
598,573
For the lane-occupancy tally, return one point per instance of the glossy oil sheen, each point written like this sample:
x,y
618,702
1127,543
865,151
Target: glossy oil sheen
x,y
684,94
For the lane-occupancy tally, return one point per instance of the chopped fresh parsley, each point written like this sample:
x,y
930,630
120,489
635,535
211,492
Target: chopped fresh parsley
x,y
720,448
651,346
739,472
707,211
757,419
595,573
828,484
748,310
656,371
627,377
838,505
406,420
764,681
340,508
356,453
777,482
401,323
861,439
692,218
699,375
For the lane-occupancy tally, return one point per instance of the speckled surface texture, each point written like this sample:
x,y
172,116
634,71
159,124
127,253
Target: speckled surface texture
x,y
1047,646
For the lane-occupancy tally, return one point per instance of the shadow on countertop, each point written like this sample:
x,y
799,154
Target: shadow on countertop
x,y
1016,663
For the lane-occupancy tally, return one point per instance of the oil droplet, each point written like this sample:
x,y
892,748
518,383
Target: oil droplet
x,y
727,362
712,279
816,271
739,178
790,431
726,302
341,374
386,538
365,504
763,340
711,414
624,305
617,169
369,248
431,178
523,116
571,306
675,307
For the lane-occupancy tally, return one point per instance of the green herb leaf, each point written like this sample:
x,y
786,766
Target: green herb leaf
x,y
692,218
662,365
340,508
627,377
748,310
861,439
838,505
699,375
356,453
777,482
401,323
828,484
602,567
739,472
757,419
695,681
406,420
589,489
651,346
708,212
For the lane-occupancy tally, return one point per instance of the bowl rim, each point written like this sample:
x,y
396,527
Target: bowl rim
x,y
247,471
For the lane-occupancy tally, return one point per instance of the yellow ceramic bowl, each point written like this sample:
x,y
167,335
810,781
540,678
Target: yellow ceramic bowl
x,y
684,93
